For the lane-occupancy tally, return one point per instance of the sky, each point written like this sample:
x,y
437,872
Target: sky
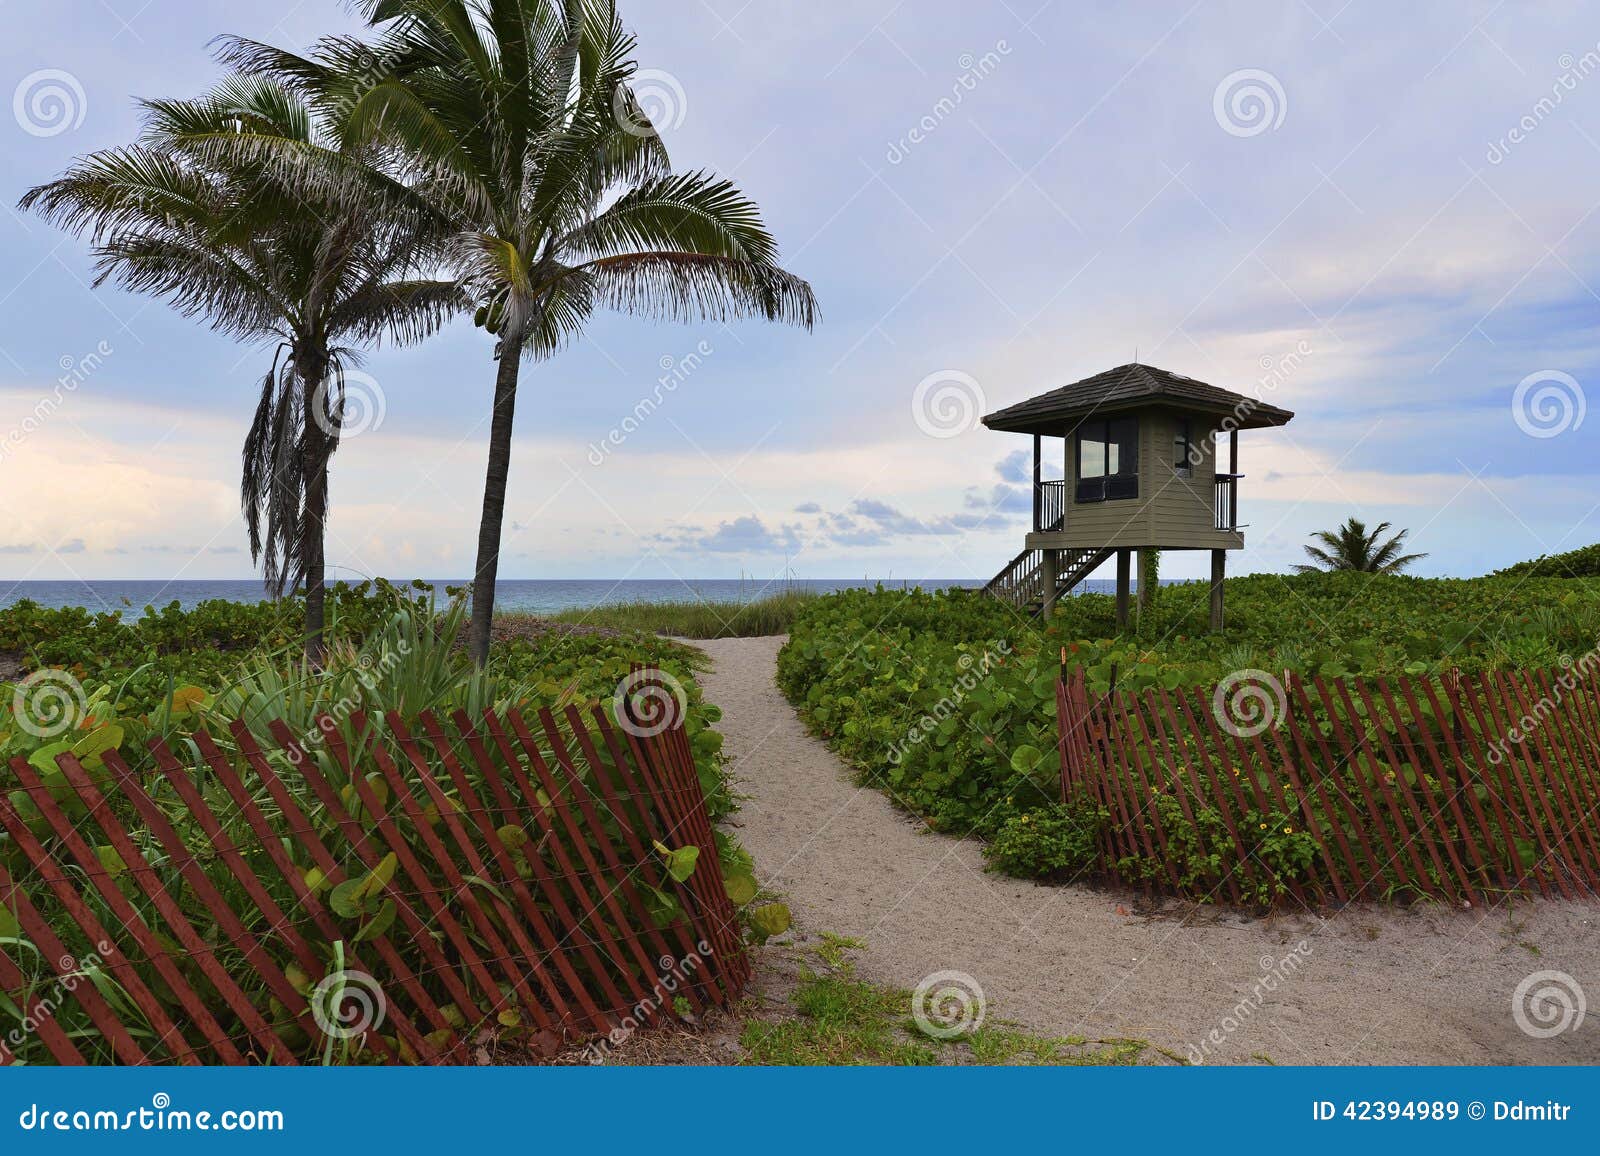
x,y
1383,217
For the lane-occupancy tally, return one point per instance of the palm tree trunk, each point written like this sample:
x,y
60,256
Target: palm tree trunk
x,y
494,501
314,463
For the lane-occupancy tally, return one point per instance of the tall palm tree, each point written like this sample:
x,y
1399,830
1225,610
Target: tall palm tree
x,y
1351,547
189,213
518,123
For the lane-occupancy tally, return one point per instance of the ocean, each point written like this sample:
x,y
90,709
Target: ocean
x,y
533,595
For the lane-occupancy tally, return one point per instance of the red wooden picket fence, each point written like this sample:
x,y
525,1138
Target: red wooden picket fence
x,y
1465,787
532,907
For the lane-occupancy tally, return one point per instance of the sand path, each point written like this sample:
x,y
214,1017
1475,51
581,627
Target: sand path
x,y
1365,986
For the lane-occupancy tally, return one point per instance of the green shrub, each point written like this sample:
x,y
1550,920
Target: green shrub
x,y
1583,562
389,650
1047,843
946,700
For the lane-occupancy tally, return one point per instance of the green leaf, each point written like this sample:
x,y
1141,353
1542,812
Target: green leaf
x,y
9,927
770,919
110,860
346,898
379,924
1025,758
44,759
741,888
96,743
680,860
663,908
512,836
378,878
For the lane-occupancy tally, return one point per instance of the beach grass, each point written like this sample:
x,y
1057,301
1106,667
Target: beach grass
x,y
695,618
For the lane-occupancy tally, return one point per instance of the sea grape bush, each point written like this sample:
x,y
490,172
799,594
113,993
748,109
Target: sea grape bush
x,y
168,671
1583,562
1048,842
172,672
865,667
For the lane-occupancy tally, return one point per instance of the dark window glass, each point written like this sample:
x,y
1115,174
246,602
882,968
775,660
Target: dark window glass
x,y
1108,459
1181,449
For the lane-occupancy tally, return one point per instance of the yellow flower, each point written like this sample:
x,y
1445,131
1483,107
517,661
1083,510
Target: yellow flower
x,y
1263,826
1288,830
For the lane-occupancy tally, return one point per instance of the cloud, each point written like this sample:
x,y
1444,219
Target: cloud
x,y
18,548
71,546
1001,499
222,550
1016,467
892,521
808,508
743,535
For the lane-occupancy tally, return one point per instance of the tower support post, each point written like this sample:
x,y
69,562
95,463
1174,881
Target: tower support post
x,y
1219,564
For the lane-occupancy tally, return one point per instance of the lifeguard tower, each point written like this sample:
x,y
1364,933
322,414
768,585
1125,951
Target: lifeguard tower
x,y
1139,472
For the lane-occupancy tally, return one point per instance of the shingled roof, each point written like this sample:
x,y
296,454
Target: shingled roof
x,y
1128,386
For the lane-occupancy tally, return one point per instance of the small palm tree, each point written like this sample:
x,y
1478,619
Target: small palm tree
x,y
1351,547
189,214
518,124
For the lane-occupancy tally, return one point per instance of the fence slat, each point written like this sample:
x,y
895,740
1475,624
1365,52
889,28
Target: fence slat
x,y
1451,790
1577,835
132,922
299,828
577,947
1377,770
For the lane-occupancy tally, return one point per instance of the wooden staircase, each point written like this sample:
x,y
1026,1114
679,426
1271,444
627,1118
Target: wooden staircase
x,y
1022,581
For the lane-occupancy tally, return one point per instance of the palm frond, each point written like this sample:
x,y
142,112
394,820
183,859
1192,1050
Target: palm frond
x,y
404,312
689,287
690,212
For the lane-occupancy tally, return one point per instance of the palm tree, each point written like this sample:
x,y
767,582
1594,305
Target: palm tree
x,y
1351,547
519,126
188,214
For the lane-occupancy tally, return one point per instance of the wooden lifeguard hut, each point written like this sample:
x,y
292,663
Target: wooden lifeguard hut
x,y
1139,472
